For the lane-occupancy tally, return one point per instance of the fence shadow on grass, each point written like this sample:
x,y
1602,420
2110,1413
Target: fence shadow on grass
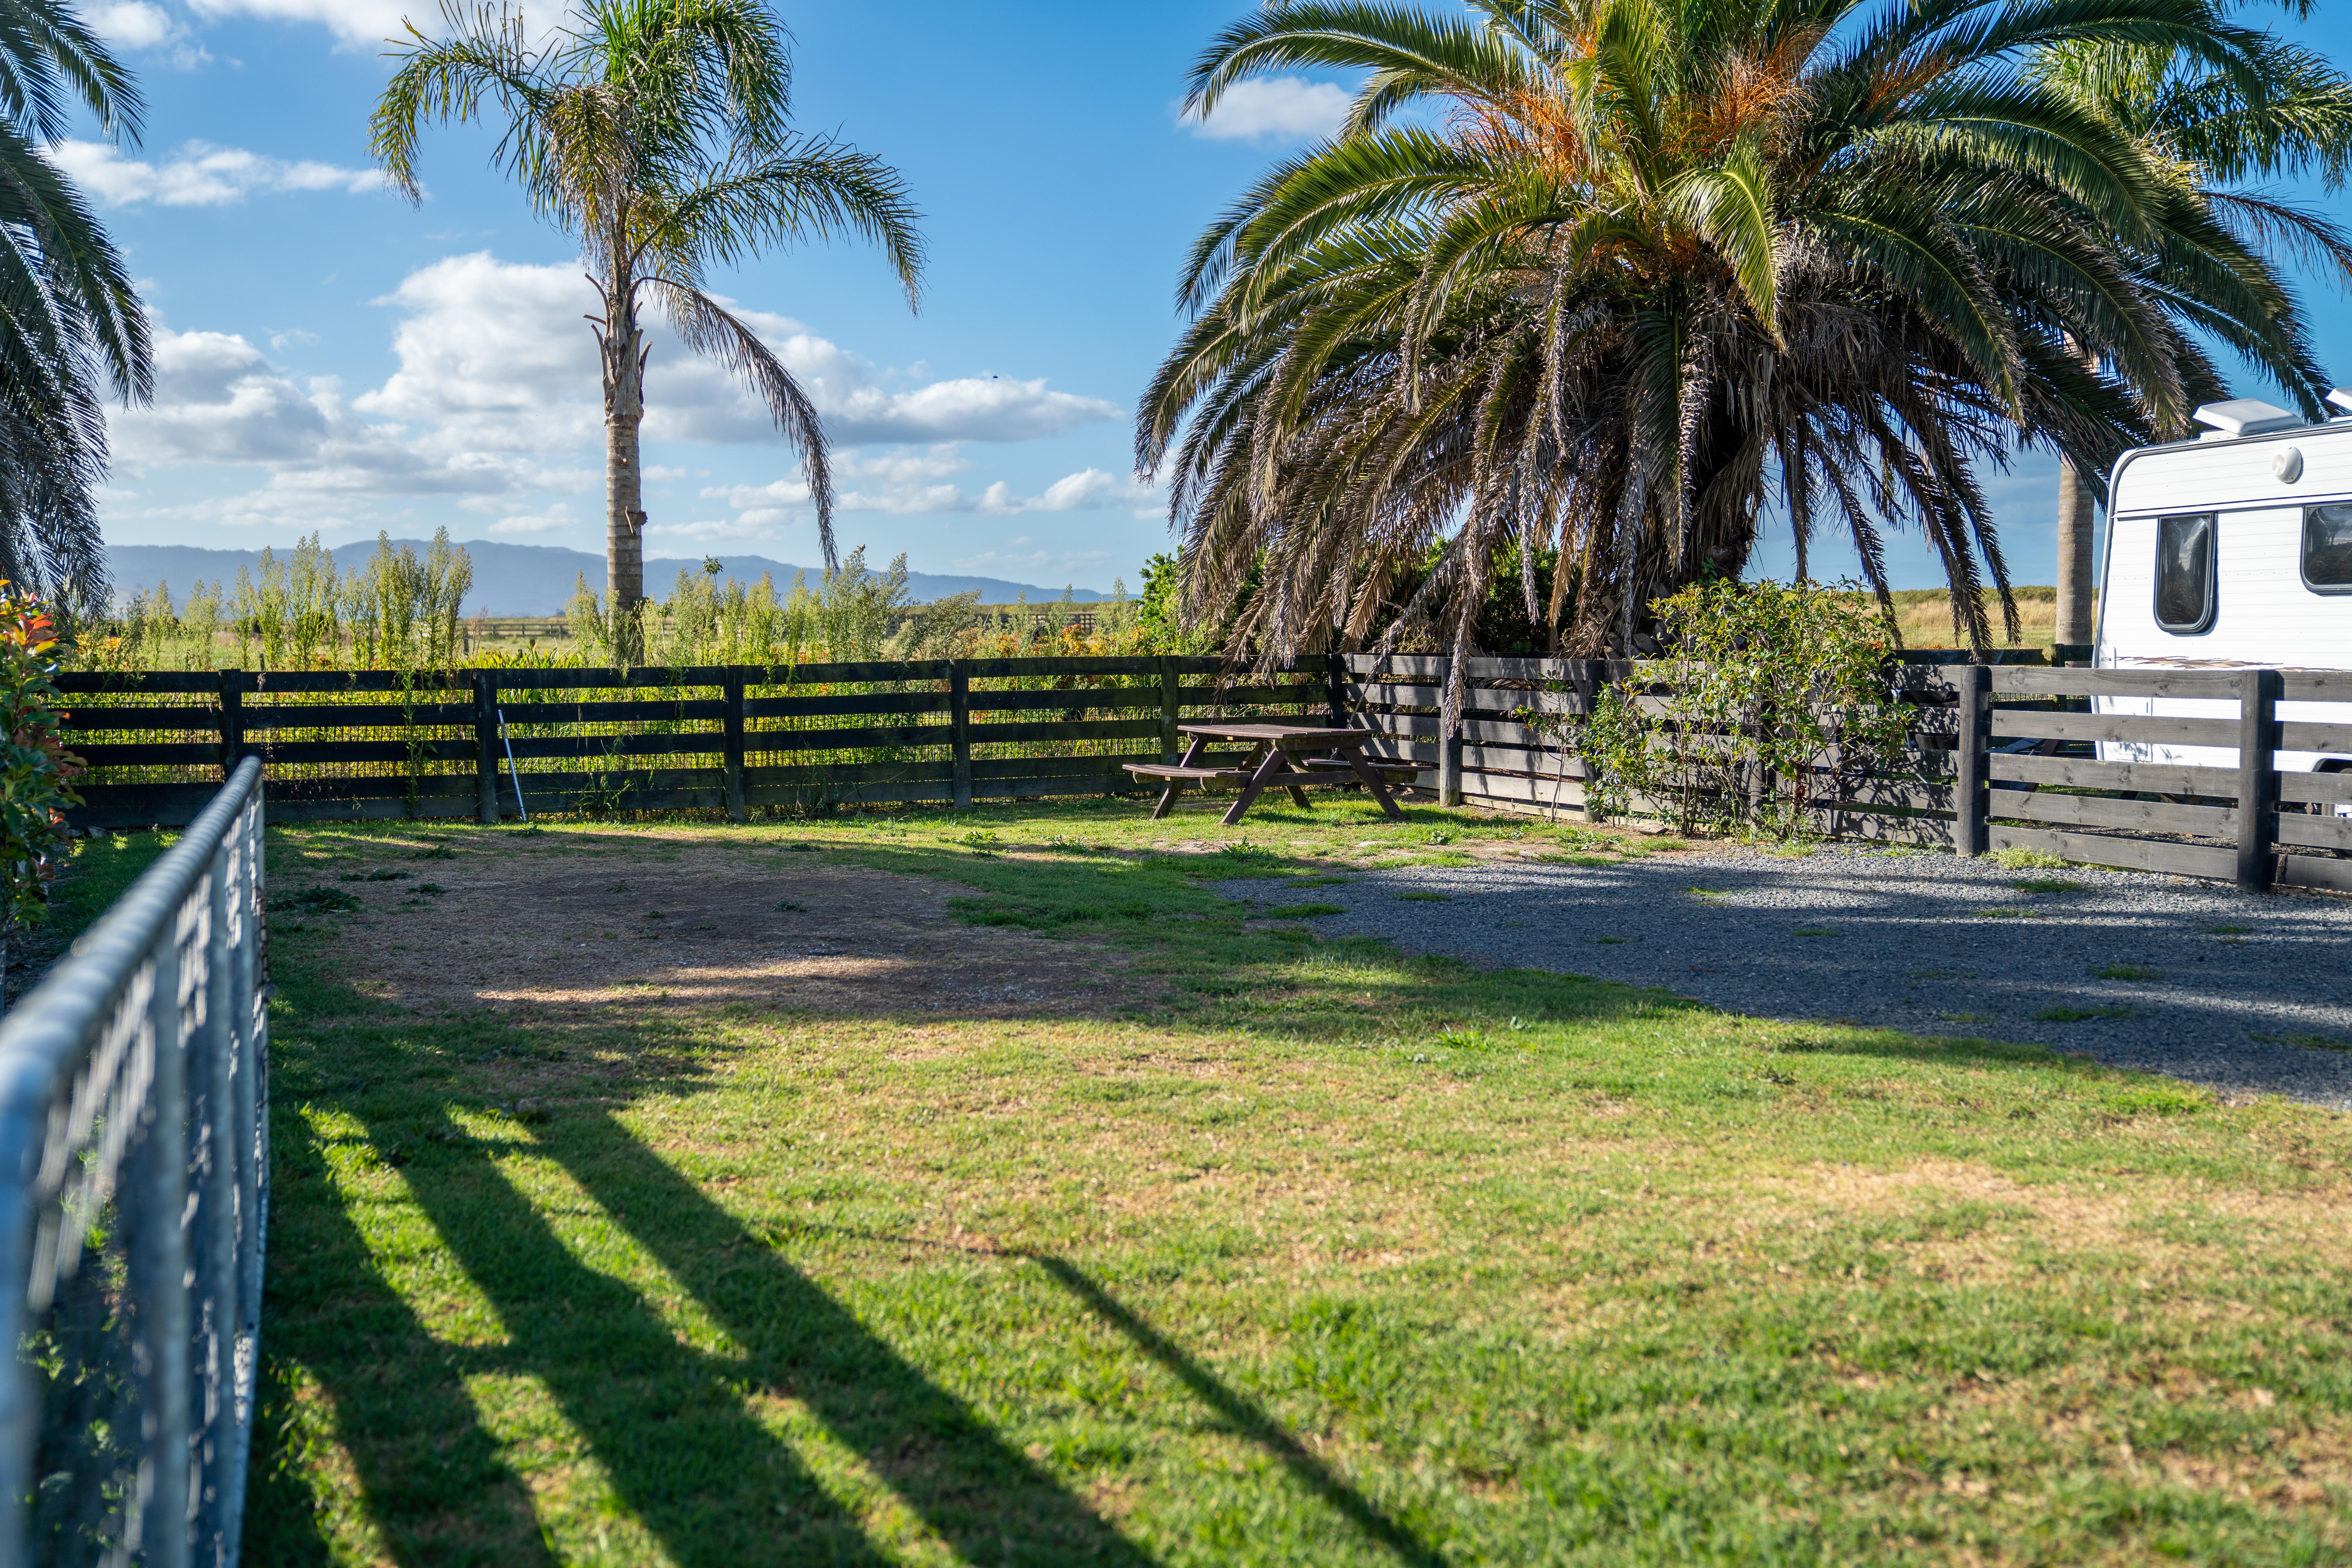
x,y
667,1423
430,1479
982,1497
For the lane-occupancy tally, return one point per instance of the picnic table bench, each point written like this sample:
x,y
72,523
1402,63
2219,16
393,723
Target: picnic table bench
x,y
1275,761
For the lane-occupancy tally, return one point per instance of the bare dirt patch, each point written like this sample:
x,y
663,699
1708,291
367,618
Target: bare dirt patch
x,y
677,923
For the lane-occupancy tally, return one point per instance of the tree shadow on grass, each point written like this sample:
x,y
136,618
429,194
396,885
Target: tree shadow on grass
x,y
991,1503
431,1479
667,1423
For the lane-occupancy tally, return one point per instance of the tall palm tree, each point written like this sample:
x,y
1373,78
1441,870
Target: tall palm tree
x,y
71,329
1612,276
2217,132
656,133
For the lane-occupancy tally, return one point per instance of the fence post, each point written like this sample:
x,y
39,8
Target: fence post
x,y
1335,688
159,1267
232,721
1168,708
486,746
2258,739
1968,795
1449,742
960,722
732,752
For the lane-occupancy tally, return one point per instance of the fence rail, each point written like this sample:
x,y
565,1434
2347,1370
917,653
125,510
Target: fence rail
x,y
133,1206
2000,757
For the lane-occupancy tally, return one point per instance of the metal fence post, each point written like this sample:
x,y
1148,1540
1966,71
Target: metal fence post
x,y
486,746
1969,798
2258,739
1169,708
959,731
158,1282
731,759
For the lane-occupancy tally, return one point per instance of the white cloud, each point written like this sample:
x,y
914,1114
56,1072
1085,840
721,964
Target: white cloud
x,y
1286,108
293,337
904,491
748,526
501,349
356,24
134,24
218,399
495,402
200,176
554,517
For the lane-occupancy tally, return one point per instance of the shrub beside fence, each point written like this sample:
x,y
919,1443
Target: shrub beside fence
x,y
133,1205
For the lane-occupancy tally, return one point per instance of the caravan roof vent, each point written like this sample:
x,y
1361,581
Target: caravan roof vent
x,y
2247,416
2341,398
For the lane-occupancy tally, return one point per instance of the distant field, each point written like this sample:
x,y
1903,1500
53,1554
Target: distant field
x,y
1925,617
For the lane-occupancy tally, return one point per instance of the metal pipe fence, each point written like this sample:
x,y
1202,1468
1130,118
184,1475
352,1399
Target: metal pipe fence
x,y
134,1196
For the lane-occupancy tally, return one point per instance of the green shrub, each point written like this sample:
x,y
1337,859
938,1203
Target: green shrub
x,y
1766,696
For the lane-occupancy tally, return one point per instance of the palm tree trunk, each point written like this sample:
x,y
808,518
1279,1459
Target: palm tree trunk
x,y
2074,626
623,343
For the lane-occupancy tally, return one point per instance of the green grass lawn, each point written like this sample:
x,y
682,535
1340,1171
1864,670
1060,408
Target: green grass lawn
x,y
1295,1251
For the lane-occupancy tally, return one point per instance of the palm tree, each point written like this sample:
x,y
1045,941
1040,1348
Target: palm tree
x,y
655,131
2216,135
1613,276
71,329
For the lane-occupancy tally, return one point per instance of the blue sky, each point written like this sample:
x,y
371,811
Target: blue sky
x,y
333,359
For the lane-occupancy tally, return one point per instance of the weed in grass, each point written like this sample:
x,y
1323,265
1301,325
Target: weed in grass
x,y
2229,930
789,907
1816,930
2026,860
1437,835
375,876
2079,1014
2049,885
1612,941
437,852
2309,1042
2004,914
1301,912
317,901
2124,972
1699,892
1666,844
1424,898
431,889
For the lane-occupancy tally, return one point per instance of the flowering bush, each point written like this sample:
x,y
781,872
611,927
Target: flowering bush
x,y
35,771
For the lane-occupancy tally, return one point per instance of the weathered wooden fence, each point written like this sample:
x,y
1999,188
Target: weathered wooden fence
x,y
2002,756
1989,767
342,744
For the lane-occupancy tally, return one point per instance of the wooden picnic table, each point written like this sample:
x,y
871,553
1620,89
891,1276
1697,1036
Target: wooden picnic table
x,y
1275,761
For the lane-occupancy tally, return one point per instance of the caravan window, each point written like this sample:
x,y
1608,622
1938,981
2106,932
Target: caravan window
x,y
2327,548
2184,573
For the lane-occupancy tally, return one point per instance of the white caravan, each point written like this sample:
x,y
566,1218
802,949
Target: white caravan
x,y
2230,550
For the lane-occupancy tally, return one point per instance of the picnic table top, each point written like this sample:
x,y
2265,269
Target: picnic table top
x,y
1279,732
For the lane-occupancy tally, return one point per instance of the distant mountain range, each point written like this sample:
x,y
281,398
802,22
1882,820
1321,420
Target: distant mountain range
x,y
532,579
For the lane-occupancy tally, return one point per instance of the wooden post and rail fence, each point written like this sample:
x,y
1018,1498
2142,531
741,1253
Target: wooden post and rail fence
x,y
1989,766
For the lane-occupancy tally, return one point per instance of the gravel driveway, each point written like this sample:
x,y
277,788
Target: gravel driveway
x,y
2203,982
